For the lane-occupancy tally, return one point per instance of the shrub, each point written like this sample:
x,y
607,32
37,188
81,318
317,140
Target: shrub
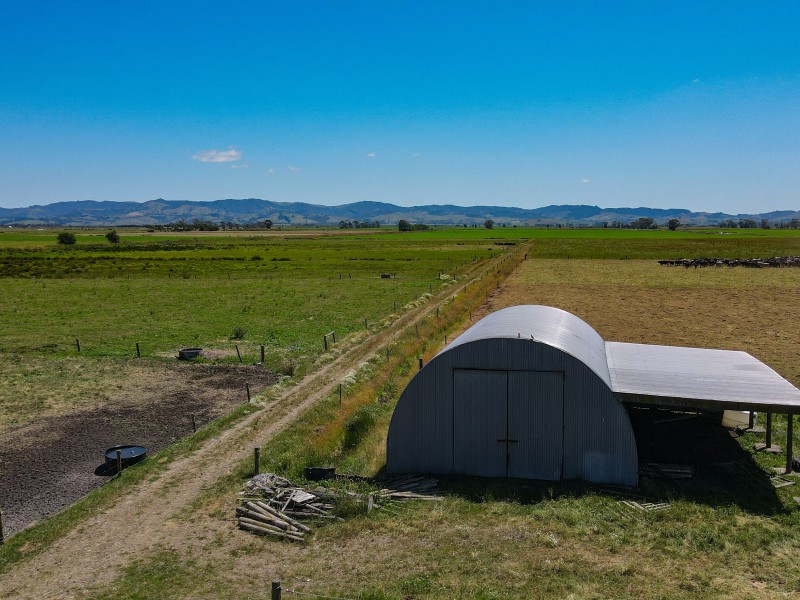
x,y
238,333
359,425
113,237
66,238
287,366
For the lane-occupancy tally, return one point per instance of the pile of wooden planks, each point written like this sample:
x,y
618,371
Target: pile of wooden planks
x,y
653,469
259,517
409,487
272,504
401,489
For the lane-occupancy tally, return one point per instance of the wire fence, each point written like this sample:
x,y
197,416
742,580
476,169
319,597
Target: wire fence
x,y
277,592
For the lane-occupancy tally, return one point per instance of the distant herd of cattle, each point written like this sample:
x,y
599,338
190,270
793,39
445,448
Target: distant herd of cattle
x,y
755,263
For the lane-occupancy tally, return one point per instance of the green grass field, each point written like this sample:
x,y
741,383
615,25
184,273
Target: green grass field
x,y
487,539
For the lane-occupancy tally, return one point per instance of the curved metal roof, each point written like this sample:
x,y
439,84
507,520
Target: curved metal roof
x,y
545,324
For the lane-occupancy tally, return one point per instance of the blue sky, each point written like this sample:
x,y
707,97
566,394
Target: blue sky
x,y
663,104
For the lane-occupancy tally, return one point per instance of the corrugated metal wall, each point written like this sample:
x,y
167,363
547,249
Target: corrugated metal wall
x,y
536,424
598,444
479,420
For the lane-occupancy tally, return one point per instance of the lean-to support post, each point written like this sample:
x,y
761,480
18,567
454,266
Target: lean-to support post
x,y
789,425
769,431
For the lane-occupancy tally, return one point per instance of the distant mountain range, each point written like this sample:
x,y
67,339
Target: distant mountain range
x,y
160,212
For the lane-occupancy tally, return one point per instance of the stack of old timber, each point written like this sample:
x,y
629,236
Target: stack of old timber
x,y
272,505
668,471
409,487
754,263
401,489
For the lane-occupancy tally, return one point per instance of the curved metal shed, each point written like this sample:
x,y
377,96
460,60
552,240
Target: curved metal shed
x,y
525,392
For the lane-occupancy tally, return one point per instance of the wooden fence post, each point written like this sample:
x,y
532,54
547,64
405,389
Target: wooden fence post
x,y
247,387
420,363
276,589
194,424
325,341
78,344
262,354
256,461
138,351
239,354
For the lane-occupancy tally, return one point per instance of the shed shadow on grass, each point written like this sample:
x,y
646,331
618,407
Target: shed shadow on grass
x,y
723,473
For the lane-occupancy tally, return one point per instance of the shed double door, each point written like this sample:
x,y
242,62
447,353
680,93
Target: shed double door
x,y
508,423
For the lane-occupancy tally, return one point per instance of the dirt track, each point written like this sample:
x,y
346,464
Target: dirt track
x,y
149,516
48,464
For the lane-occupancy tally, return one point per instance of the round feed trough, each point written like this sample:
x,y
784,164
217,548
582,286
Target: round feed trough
x,y
129,455
189,353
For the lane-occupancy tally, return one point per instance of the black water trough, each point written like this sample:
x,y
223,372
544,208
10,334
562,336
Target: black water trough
x,y
129,455
189,353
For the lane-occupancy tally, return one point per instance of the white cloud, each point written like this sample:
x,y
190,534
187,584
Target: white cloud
x,y
270,171
293,168
584,180
370,155
695,81
244,166
218,156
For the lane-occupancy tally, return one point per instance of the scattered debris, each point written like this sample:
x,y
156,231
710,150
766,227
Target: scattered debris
x,y
780,482
762,447
645,506
756,263
653,469
634,501
273,505
410,487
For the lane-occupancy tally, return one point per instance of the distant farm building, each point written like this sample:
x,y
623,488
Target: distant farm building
x,y
534,392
